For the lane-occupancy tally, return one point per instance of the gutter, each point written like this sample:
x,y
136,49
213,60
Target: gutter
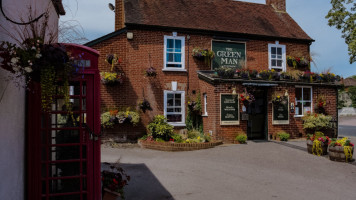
x,y
215,33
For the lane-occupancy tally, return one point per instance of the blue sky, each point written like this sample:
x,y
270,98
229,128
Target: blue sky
x,y
329,48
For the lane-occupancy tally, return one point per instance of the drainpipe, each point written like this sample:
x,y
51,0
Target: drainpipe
x,y
188,38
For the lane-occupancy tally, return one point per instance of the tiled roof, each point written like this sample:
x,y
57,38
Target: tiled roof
x,y
214,15
349,82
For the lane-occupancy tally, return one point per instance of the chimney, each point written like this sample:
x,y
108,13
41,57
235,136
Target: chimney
x,y
278,5
119,14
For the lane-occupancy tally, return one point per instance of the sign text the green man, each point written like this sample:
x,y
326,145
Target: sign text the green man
x,y
229,54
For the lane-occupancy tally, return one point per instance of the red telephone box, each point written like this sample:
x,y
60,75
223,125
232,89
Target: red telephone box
x,y
63,152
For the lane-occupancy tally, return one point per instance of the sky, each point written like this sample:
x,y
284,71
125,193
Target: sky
x,y
329,48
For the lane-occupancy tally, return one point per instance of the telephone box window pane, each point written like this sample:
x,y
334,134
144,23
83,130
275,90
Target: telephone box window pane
x,y
66,197
65,136
64,169
64,185
64,153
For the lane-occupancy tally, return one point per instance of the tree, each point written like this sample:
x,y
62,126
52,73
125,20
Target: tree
x,y
342,15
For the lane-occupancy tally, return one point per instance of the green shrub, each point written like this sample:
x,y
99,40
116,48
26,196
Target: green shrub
x,y
241,138
144,137
283,136
193,134
316,121
107,120
159,140
177,138
207,138
319,134
159,128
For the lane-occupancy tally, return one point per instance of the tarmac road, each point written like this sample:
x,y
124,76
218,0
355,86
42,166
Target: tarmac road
x,y
347,126
258,170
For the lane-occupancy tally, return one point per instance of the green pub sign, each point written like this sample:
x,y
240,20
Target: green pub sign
x,y
229,109
281,113
229,54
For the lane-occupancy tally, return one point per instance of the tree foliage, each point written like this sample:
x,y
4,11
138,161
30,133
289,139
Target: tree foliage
x,y
343,17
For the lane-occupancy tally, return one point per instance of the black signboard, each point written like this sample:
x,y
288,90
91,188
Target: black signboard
x,y
229,109
281,113
229,54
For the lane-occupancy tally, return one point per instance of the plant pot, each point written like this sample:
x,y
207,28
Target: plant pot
x,y
323,145
110,195
337,154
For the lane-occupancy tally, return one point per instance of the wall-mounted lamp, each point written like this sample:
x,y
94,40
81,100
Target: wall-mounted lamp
x,y
286,93
129,35
234,91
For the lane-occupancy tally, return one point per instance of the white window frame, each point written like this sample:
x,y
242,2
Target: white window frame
x,y
311,100
166,92
205,97
165,68
284,60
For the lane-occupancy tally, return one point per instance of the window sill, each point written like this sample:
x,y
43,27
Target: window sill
x,y
177,124
174,70
204,115
298,116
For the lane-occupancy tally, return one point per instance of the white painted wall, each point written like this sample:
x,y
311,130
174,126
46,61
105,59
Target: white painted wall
x,y
12,104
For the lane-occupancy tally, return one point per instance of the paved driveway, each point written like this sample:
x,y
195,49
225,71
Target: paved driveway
x,y
258,170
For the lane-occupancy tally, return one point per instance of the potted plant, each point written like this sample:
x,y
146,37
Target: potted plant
x,y
265,74
225,72
282,136
247,98
203,54
145,105
111,78
253,74
151,72
316,122
240,138
320,105
114,181
341,150
279,98
317,144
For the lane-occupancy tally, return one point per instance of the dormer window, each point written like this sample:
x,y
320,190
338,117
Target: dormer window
x,y
277,56
174,54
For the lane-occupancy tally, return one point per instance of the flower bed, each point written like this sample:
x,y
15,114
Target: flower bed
x,y
171,146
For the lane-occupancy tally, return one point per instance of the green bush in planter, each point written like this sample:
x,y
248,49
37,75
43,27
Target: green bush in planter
x,y
177,138
241,138
159,128
283,136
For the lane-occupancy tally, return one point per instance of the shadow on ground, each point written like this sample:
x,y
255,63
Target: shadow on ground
x,y
143,184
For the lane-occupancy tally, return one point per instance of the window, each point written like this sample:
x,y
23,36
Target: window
x,y
277,56
205,105
174,108
174,53
303,100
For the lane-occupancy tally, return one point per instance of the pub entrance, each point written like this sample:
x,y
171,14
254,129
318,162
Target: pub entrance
x,y
257,111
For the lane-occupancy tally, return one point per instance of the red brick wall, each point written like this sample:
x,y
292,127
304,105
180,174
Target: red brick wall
x,y
145,50
295,127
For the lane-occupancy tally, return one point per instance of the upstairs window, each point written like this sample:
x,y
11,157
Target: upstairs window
x,y
303,100
174,53
277,56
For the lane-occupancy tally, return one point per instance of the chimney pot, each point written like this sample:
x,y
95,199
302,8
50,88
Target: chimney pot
x,y
278,5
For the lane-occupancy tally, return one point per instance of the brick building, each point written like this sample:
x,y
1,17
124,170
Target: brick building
x,y
163,34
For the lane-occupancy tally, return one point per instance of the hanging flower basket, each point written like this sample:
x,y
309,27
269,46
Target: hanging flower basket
x,y
279,99
151,72
111,78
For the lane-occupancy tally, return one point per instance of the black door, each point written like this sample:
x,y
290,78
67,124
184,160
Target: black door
x,y
256,126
